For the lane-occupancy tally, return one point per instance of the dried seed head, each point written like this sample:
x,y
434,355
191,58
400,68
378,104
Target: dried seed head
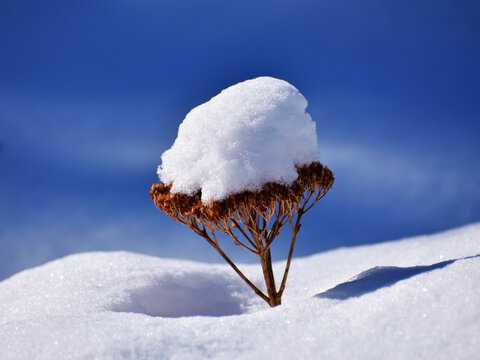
x,y
314,178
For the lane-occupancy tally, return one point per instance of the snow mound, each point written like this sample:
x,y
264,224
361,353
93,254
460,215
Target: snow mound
x,y
412,298
126,282
251,133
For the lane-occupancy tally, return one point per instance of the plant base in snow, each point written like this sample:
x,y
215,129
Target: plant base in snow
x,y
252,219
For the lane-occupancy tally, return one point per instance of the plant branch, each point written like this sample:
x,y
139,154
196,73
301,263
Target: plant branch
x,y
234,267
295,230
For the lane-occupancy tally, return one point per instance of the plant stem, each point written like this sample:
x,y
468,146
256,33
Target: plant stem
x,y
266,262
234,267
295,230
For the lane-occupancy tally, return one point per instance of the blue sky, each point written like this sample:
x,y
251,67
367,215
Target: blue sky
x,y
92,93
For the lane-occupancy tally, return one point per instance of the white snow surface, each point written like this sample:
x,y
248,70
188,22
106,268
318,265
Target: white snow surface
x,y
250,134
417,298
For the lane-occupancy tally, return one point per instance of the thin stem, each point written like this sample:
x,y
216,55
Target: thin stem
x,y
239,243
234,267
243,233
295,230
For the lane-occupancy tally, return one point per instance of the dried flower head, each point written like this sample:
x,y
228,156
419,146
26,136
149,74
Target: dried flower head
x,y
252,219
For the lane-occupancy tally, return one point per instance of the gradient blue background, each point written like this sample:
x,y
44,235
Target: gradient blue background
x,y
92,93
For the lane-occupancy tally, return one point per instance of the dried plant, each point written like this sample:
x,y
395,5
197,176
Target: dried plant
x,y
252,219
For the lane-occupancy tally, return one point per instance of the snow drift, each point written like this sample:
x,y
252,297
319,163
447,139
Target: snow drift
x,y
413,298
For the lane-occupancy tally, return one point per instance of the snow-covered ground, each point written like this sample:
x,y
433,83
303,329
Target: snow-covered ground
x,y
416,298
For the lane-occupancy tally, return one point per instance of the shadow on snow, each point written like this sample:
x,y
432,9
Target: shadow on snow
x,y
379,277
191,293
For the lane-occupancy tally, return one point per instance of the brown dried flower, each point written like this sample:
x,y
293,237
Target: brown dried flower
x,y
256,217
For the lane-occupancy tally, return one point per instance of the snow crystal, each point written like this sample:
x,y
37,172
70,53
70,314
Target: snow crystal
x,y
251,133
412,298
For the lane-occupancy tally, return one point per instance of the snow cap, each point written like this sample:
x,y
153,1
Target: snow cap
x,y
250,134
